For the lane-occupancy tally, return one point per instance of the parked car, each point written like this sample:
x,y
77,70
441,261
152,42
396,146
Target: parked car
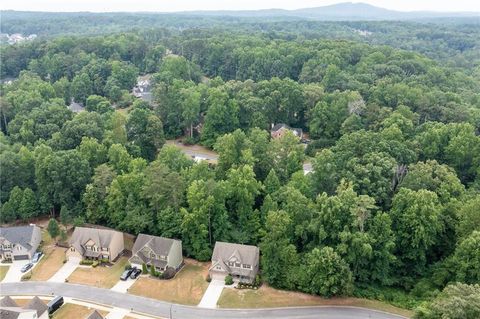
x,y
26,267
135,273
36,256
54,304
127,273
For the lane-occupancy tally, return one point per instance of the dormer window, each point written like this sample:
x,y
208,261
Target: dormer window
x,y
246,266
237,265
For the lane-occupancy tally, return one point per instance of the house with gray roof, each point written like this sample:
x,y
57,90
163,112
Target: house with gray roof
x,y
35,309
19,243
239,261
93,243
39,306
160,252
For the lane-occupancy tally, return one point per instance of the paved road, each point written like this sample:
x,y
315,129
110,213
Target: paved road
x,y
167,310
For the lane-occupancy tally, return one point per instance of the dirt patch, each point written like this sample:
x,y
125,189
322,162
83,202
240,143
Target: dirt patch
x,y
3,271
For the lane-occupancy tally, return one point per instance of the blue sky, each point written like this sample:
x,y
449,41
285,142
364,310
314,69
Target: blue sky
x,y
186,5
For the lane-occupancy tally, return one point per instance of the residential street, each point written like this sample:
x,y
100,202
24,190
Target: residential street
x,y
168,310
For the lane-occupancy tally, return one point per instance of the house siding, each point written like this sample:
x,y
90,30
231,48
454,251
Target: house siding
x,y
175,257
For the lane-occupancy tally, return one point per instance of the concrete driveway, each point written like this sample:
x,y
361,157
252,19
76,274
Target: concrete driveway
x,y
14,274
66,270
122,286
213,292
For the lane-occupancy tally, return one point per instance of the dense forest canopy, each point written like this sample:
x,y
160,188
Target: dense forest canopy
x,y
391,209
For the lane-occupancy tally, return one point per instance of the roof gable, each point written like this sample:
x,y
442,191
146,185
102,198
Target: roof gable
x,y
246,254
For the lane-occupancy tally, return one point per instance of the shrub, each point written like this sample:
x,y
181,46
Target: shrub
x,y
86,262
258,281
128,266
27,276
228,280
209,279
95,264
144,268
169,273
104,261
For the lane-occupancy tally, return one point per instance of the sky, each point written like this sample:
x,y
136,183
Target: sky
x,y
190,5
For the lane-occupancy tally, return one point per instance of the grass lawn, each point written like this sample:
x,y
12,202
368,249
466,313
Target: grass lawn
x,y
3,271
22,301
102,277
186,288
267,297
72,311
49,264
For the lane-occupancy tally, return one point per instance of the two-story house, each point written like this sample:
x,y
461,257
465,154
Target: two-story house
x,y
19,243
93,243
160,252
239,261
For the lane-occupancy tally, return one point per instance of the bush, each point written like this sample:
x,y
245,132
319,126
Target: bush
x,y
128,266
169,273
95,264
65,261
104,261
144,268
86,262
208,279
258,281
228,280
27,276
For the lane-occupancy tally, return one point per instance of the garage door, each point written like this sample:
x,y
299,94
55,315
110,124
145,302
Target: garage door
x,y
21,257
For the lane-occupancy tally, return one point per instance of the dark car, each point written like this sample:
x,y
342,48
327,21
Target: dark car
x,y
135,273
36,257
127,273
26,267
54,304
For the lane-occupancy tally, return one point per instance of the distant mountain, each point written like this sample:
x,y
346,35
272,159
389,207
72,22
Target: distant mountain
x,y
339,11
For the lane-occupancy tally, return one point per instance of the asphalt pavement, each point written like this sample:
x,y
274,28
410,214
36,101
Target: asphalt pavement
x,y
174,311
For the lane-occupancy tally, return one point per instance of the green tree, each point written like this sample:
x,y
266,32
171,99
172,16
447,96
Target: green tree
x,y
53,229
325,273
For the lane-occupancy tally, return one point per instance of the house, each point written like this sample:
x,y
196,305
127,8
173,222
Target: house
x,y
160,252
39,306
94,315
19,243
239,261
76,107
35,308
279,130
93,243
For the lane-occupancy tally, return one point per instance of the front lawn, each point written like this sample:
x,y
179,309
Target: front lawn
x,y
186,288
49,264
267,297
72,311
102,277
3,271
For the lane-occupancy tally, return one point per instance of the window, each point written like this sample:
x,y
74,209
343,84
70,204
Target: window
x,y
152,255
230,263
246,266
237,265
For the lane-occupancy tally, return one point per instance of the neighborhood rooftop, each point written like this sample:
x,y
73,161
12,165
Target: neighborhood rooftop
x,y
18,235
101,237
247,253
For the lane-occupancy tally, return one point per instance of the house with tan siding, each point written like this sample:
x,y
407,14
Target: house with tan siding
x,y
93,243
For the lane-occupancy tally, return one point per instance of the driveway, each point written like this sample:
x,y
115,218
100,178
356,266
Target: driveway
x,y
211,295
14,274
122,286
163,309
66,270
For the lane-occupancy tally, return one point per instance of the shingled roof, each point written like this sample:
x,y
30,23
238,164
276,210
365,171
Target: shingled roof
x,y
94,315
159,245
8,302
38,305
19,235
246,253
101,237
